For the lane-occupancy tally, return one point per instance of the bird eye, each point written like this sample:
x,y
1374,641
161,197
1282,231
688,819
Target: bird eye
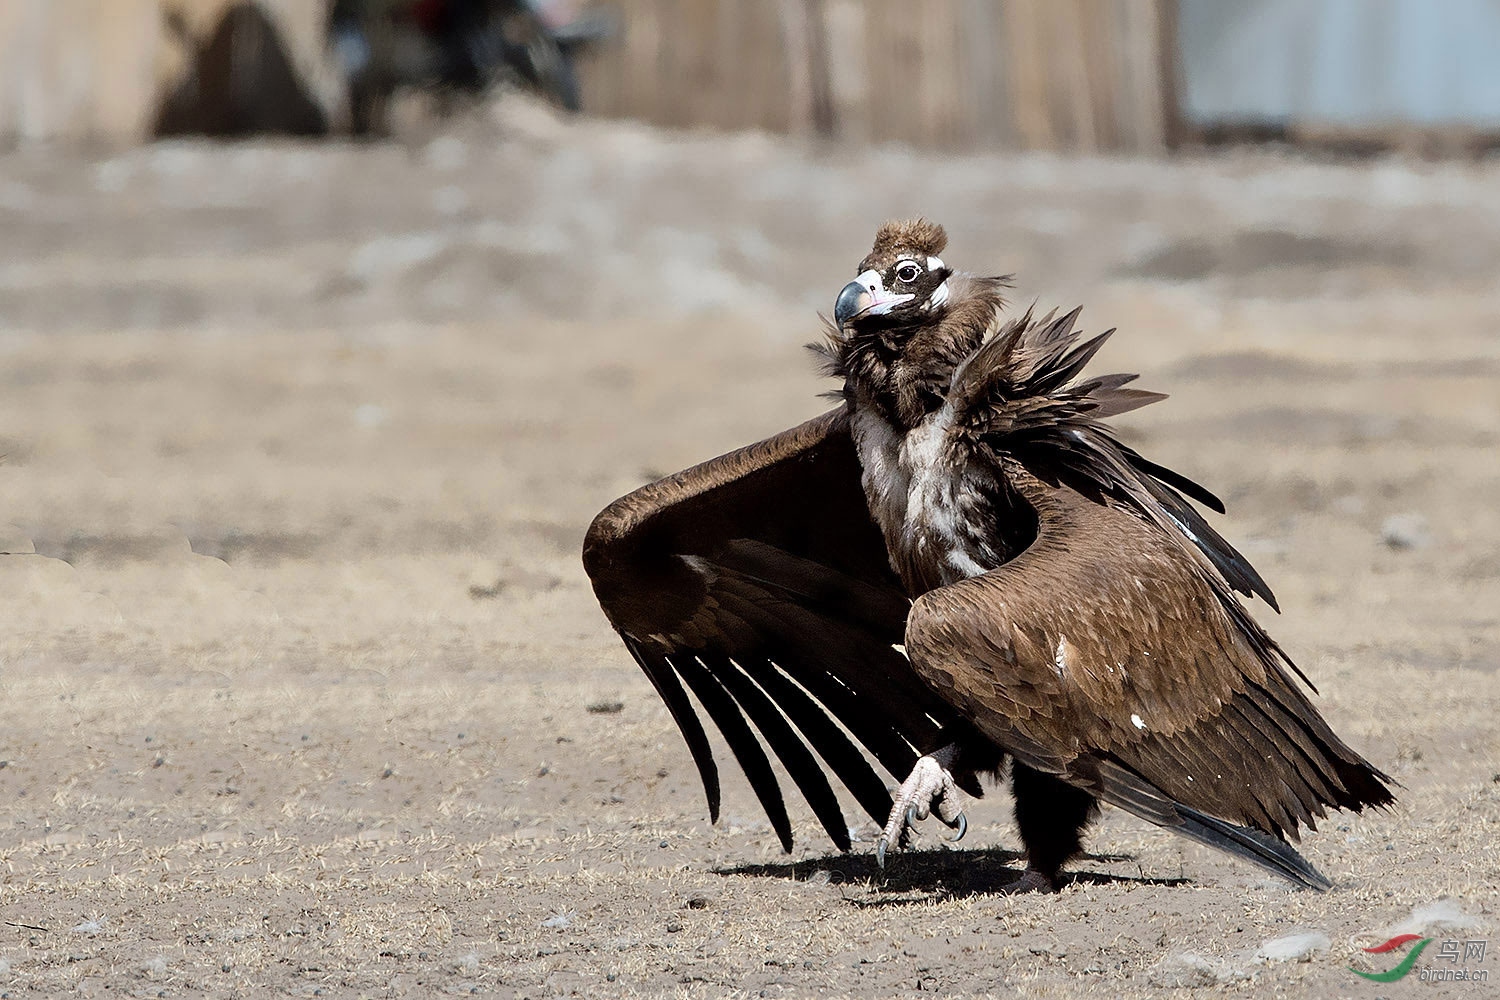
x,y
907,271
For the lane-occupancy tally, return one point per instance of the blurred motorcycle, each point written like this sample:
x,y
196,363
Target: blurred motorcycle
x,y
457,46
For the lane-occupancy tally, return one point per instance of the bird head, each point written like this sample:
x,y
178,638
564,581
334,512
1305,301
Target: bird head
x,y
901,283
903,326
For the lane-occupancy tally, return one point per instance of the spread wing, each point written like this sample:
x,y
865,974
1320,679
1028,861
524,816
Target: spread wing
x,y
1138,685
759,582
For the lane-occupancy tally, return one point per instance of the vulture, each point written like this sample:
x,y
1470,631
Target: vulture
x,y
963,566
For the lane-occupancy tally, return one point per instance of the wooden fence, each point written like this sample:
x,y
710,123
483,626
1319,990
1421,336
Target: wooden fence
x,y
1078,75
1037,74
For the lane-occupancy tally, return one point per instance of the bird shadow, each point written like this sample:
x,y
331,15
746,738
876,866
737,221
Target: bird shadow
x,y
929,875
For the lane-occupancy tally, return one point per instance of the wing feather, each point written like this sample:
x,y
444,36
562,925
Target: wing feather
x,y
663,677
1142,687
840,753
844,677
712,694
801,765
759,582
1018,395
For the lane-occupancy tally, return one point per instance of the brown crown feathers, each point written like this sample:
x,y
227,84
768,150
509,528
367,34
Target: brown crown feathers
x,y
918,235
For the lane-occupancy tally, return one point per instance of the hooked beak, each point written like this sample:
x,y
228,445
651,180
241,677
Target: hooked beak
x,y
865,296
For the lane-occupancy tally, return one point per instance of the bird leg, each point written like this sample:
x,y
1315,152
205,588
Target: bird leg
x,y
1031,880
1051,816
929,788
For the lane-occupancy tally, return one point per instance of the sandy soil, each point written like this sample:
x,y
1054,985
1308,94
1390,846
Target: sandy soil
x,y
303,691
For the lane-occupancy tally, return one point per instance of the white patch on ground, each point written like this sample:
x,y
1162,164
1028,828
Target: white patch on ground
x,y
1442,914
1190,969
369,416
1137,721
446,154
385,257
1293,947
1406,531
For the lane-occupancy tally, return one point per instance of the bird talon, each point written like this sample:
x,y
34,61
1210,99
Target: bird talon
x,y
962,822
928,790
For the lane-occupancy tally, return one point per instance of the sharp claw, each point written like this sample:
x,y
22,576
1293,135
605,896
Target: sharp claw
x,y
880,853
962,822
911,816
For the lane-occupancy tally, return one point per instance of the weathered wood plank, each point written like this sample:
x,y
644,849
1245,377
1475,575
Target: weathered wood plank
x,y
1042,74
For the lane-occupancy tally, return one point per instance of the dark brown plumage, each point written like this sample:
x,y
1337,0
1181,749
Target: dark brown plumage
x,y
962,564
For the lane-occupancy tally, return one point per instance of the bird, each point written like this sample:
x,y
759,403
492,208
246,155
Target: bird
x,y
961,568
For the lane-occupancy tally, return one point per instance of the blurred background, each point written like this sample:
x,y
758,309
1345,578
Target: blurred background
x,y
783,132
1134,76
326,328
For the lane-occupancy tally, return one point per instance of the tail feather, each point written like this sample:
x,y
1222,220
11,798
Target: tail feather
x,y
1271,853
1122,787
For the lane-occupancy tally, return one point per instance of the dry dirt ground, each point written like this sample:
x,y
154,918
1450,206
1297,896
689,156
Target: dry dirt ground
x,y
303,691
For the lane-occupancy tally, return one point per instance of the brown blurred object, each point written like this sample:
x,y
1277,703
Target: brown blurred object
x,y
1076,75
239,81
101,70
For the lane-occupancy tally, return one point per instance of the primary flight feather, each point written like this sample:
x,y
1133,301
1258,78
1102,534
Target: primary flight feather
x,y
959,565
